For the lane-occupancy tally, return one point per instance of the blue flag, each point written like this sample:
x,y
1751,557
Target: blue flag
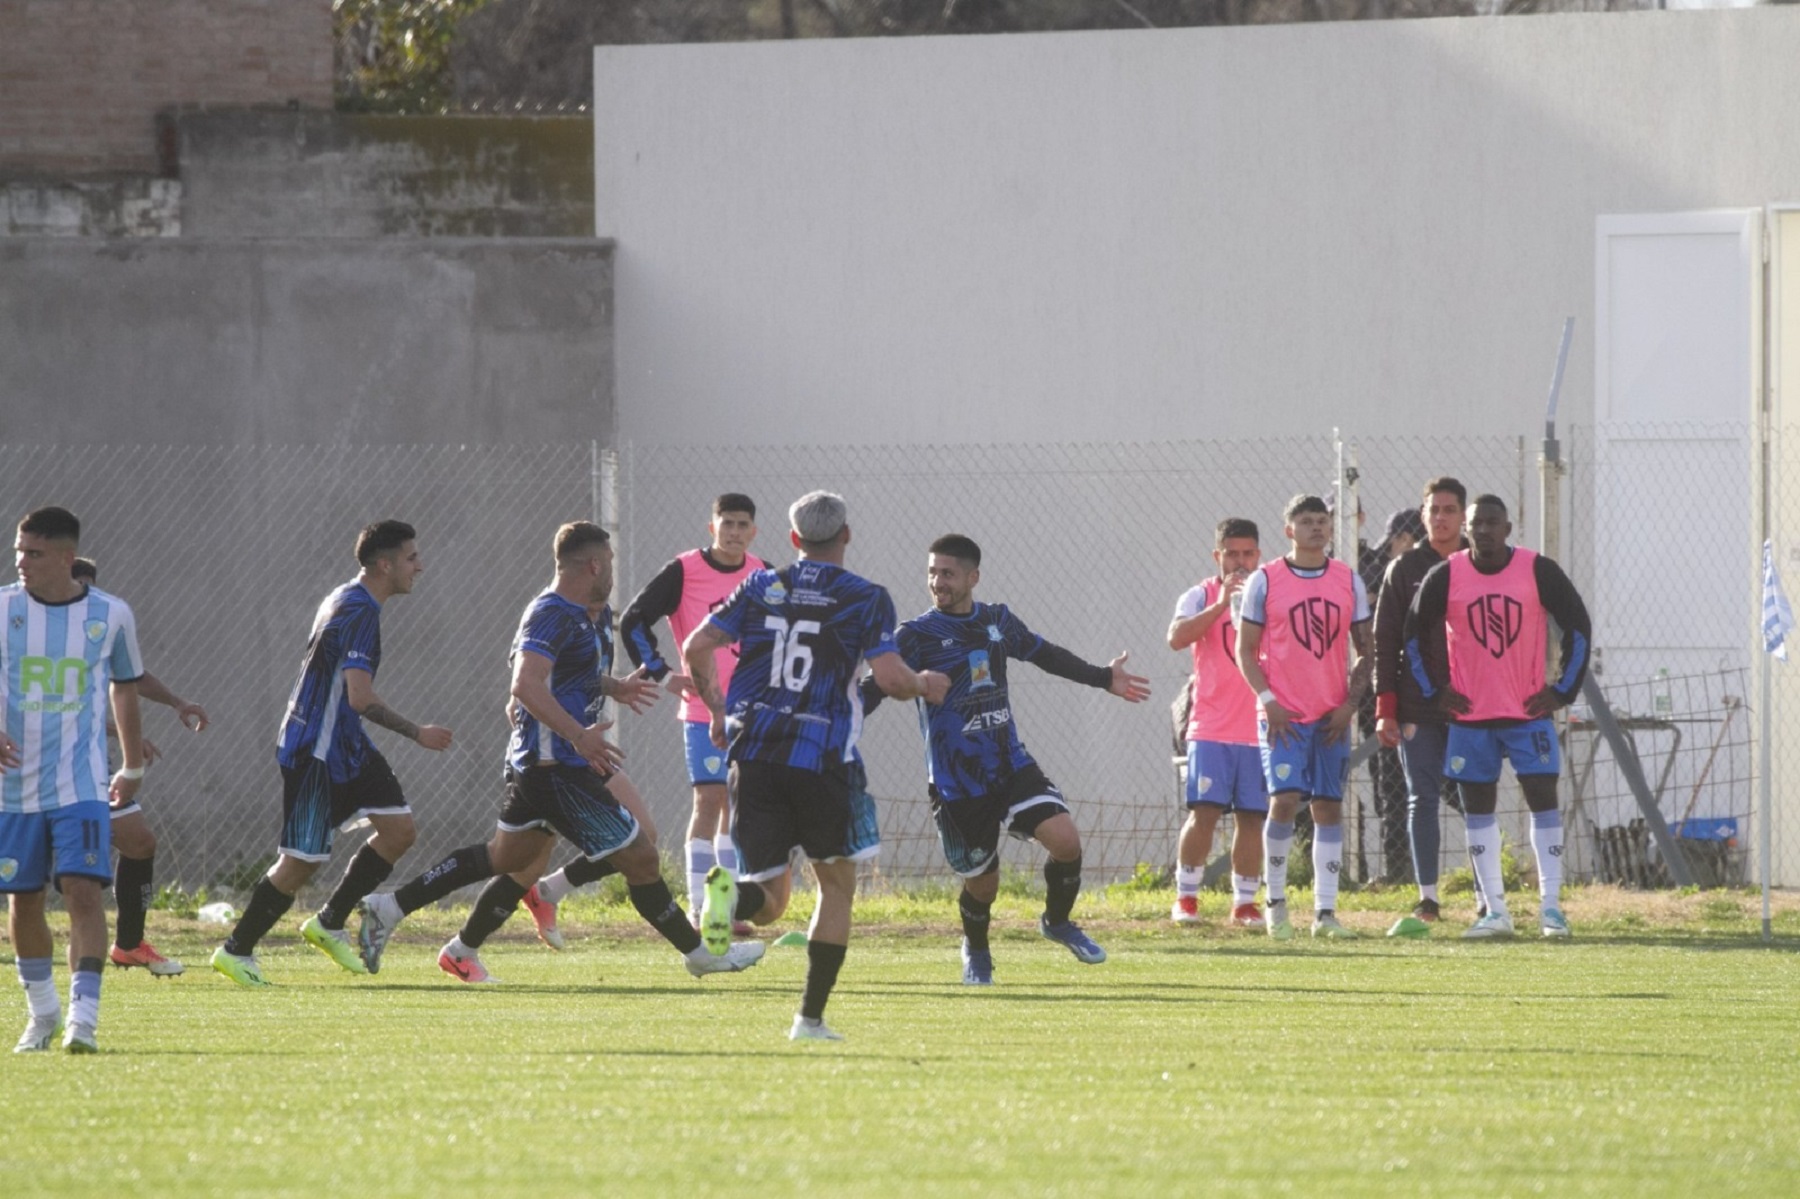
x,y
1777,615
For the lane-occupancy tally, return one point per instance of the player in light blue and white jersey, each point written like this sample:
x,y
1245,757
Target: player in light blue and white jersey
x,y
66,649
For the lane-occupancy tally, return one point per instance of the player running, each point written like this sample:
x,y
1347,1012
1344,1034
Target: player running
x,y
1301,615
332,775
1224,767
791,721
1477,634
67,650
558,765
981,778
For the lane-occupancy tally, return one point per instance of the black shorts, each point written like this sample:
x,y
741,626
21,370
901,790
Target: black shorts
x,y
573,801
969,829
777,808
313,808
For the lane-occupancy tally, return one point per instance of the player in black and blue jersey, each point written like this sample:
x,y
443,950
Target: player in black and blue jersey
x,y
791,720
981,777
332,775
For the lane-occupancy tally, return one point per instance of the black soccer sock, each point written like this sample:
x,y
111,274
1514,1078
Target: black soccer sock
x,y
583,871
464,866
975,917
368,870
266,908
659,909
1062,883
750,901
133,889
823,961
497,901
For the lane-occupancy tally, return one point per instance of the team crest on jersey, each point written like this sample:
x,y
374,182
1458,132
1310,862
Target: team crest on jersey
x,y
1496,620
994,633
776,595
981,672
95,630
1316,624
9,869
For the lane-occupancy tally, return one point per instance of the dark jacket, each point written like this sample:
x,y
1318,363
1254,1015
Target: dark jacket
x,y
1397,692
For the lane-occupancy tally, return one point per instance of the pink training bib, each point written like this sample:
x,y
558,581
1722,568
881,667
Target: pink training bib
x,y
1496,630
1306,637
1224,706
704,589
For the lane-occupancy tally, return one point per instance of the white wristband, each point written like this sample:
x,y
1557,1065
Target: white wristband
x,y
1265,697
130,772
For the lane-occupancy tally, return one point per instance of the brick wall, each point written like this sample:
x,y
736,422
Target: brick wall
x,y
81,81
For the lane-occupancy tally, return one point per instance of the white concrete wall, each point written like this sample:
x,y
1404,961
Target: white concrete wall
x,y
1136,235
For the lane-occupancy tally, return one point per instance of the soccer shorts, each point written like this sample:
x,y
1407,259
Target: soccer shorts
x,y
1472,755
969,829
1226,776
572,801
1305,763
36,847
705,761
776,808
314,809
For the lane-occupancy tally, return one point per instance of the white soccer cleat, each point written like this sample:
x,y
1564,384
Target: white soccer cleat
x,y
812,1030
1493,926
40,1035
739,956
80,1039
381,914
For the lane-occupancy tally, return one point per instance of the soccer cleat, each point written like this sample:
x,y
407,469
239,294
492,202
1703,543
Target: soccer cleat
x,y
812,1030
543,914
1410,928
741,956
1553,922
381,914
1325,924
333,943
717,910
1426,910
1276,919
145,955
241,970
468,969
978,966
1070,937
1492,925
1247,915
79,1038
1186,909
40,1035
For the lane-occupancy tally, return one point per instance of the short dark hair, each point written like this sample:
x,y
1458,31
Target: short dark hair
x,y
382,537
1302,504
576,536
1446,483
1491,500
956,545
1235,526
85,569
57,524
734,501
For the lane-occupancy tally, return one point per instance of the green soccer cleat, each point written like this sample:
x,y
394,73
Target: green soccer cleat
x,y
1325,924
242,971
334,944
717,910
1276,918
1410,928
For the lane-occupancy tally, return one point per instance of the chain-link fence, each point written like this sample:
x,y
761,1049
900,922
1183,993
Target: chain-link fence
x,y
224,553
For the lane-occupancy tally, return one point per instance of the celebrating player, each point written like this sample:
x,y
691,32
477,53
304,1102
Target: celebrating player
x,y
558,763
332,775
67,650
1478,631
791,721
1300,616
1224,768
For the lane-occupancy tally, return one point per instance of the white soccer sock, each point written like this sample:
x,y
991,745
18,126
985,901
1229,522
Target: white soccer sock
x,y
457,949
84,998
1187,879
1429,892
1484,846
1328,860
700,859
725,853
1278,840
1243,888
1547,844
40,989
555,887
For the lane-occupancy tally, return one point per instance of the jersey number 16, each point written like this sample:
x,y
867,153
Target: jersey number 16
x,y
791,664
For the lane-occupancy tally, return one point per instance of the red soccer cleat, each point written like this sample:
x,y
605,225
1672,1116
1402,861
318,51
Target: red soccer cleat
x,y
543,914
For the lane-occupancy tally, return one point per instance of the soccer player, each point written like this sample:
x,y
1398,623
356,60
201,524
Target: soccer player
x,y
1404,718
332,775
981,778
558,763
134,882
1224,768
1478,632
67,651
684,591
791,721
1301,614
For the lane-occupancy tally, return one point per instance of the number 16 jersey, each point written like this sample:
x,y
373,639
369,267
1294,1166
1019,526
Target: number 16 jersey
x,y
802,633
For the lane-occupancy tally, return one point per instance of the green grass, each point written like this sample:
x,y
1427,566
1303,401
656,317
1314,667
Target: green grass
x,y
1652,1055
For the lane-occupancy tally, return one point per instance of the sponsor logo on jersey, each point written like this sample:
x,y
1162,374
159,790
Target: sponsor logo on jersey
x,y
1316,623
981,673
1496,620
95,630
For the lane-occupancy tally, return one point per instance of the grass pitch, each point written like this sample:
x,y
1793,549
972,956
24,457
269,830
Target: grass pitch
x,y
1654,1054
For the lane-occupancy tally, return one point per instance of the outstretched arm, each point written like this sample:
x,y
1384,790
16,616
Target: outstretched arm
x,y
153,689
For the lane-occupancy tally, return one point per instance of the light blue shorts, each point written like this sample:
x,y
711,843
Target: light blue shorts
x,y
1306,763
1226,776
1472,755
36,847
706,762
